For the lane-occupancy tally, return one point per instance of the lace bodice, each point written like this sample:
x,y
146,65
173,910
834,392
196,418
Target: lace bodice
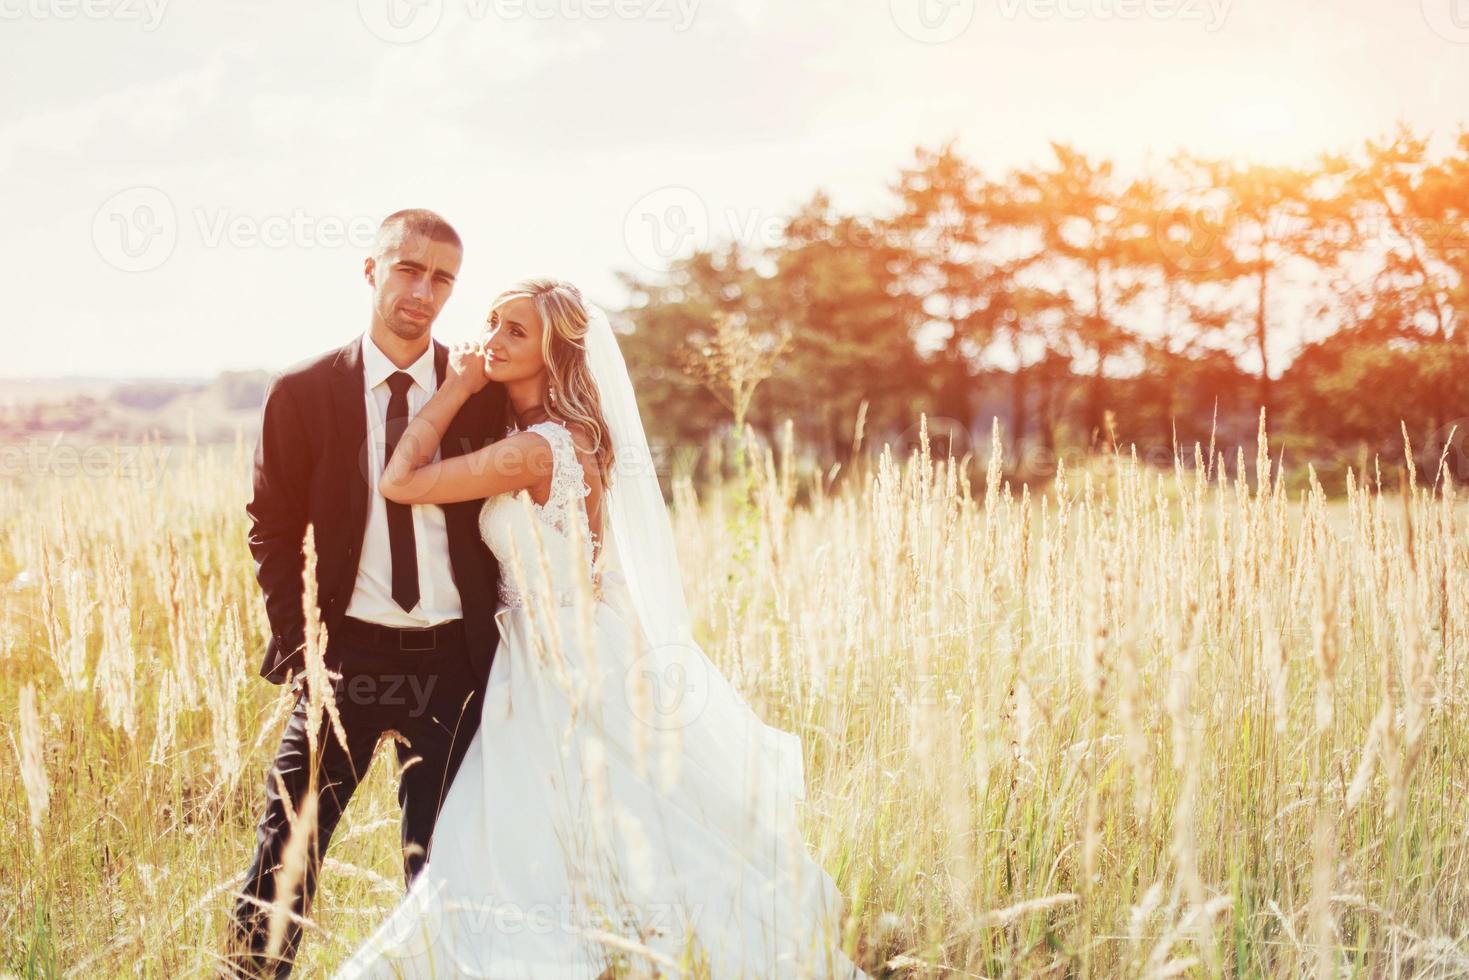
x,y
518,530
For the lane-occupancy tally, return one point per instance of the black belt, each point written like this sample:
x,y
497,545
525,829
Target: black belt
x,y
415,638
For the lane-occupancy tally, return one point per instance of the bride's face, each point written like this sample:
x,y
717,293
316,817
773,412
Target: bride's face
x,y
513,347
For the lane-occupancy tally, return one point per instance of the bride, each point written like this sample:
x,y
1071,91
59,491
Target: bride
x,y
621,811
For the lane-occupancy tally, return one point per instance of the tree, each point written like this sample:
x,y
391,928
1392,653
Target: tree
x,y
1270,216
1095,233
676,314
853,328
962,250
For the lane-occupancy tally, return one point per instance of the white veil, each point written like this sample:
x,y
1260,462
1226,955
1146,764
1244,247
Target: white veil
x,y
717,728
636,519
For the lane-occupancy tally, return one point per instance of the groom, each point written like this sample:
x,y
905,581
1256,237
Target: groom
x,y
407,593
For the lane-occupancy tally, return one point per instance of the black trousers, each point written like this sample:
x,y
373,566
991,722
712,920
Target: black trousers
x,y
433,699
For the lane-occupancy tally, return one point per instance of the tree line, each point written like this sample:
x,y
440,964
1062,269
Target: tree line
x,y
1089,310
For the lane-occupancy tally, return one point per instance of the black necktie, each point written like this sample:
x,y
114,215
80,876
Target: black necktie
x,y
400,516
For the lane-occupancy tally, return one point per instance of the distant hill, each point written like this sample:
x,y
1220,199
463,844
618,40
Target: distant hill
x,y
129,410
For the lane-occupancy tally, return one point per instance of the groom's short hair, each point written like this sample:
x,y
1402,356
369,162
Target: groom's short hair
x,y
417,221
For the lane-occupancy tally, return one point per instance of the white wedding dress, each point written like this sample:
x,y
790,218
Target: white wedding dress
x,y
595,822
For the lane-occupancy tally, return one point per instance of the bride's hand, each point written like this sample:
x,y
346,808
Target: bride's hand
x,y
467,366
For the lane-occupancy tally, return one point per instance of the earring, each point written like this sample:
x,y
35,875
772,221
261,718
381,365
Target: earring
x,y
552,393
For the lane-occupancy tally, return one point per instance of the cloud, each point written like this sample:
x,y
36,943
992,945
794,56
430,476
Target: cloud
x,y
144,116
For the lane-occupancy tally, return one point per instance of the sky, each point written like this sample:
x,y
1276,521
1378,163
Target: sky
x,y
191,188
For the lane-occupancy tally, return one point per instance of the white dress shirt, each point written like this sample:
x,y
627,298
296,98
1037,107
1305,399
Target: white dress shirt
x,y
372,597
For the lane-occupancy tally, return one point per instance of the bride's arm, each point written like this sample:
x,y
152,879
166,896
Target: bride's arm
x,y
412,476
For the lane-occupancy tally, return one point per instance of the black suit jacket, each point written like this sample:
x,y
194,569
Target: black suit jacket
x,y
311,468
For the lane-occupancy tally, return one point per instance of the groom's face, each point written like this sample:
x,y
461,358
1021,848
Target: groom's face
x,y
411,277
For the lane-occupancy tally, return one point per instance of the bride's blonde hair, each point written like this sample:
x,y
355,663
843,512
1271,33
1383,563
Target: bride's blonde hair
x,y
573,393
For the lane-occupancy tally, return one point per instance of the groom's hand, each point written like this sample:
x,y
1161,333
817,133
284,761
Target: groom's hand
x,y
467,366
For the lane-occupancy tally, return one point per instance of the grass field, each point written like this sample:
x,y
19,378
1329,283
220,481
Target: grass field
x,y
1143,723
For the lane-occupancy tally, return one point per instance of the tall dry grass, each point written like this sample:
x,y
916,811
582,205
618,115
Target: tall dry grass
x,y
1141,723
